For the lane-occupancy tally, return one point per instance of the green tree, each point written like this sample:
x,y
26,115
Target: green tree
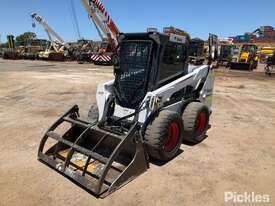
x,y
25,37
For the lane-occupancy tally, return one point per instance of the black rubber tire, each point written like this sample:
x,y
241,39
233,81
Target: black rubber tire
x,y
157,132
190,116
255,65
227,65
93,114
251,67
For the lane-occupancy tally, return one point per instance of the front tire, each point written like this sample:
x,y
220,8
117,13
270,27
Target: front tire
x,y
164,135
93,114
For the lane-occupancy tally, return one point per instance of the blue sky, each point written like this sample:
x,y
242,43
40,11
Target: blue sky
x,y
198,17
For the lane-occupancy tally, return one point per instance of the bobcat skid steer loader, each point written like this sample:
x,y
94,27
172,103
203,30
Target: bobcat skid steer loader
x,y
154,103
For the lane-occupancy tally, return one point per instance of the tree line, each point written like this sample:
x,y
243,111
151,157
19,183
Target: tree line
x,y
23,39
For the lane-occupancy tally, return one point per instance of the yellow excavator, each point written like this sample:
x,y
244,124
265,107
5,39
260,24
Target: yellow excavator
x,y
247,58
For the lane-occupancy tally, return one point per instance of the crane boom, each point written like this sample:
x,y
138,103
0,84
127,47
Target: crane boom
x,y
103,22
110,23
56,41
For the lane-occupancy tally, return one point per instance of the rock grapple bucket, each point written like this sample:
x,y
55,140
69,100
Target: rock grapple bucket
x,y
97,160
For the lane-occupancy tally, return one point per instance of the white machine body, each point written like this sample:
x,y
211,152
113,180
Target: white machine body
x,y
155,99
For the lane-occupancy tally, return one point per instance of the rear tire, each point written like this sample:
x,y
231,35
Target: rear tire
x,y
93,114
196,122
164,135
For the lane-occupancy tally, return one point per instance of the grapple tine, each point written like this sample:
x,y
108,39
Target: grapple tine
x,y
71,151
72,110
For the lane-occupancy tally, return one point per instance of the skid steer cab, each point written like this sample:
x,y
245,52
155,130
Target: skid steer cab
x,y
154,103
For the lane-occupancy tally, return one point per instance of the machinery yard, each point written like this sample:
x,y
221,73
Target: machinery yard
x,y
238,155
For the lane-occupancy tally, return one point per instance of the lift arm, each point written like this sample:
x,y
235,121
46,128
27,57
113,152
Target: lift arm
x,y
57,42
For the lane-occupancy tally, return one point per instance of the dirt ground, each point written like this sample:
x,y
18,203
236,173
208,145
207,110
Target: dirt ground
x,y
237,156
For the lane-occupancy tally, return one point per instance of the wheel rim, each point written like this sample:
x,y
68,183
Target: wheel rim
x,y
200,123
172,137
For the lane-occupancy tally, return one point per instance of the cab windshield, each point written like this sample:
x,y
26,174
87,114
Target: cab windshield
x,y
196,48
248,48
134,57
226,50
131,71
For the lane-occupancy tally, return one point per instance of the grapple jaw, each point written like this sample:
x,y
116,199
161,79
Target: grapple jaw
x,y
97,160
